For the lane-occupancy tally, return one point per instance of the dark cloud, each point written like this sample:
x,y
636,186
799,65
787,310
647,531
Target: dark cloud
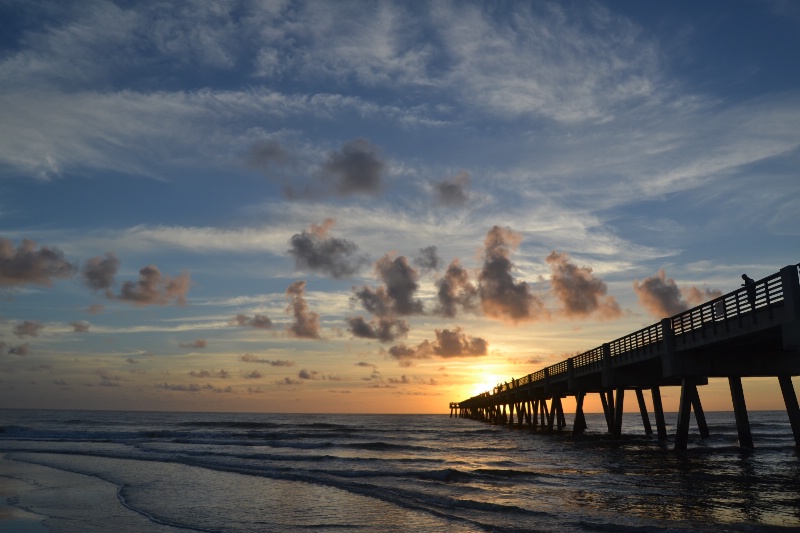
x,y
28,328
195,344
428,259
316,250
192,387
288,381
314,375
257,321
383,329
365,364
306,323
308,374
397,295
454,290
221,374
80,326
154,288
98,272
21,350
253,374
453,192
26,264
503,298
266,155
132,361
579,292
356,168
250,358
661,296
448,343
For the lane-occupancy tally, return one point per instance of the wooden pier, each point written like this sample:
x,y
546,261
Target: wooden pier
x,y
734,336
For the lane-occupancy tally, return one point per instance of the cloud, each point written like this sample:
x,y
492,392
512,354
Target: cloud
x,y
221,374
397,295
154,288
21,350
307,374
314,375
578,291
695,296
253,374
356,168
80,326
192,387
288,381
383,329
250,358
427,259
26,264
107,379
316,250
98,272
195,344
448,344
265,155
257,321
662,298
365,364
306,323
452,193
30,328
454,290
501,297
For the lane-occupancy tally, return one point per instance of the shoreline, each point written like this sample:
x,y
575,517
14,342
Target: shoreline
x,y
34,498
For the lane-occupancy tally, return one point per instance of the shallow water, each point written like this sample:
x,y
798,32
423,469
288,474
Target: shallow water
x,y
250,472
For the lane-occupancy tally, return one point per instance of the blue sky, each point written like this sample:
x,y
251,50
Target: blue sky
x,y
376,206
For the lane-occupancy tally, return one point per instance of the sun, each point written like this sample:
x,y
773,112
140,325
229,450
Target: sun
x,y
485,383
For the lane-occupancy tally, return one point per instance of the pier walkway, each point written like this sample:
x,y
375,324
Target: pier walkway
x,y
733,336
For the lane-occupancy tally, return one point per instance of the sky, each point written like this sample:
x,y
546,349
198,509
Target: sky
x,y
377,207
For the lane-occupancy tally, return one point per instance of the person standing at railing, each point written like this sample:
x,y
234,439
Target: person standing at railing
x,y
750,287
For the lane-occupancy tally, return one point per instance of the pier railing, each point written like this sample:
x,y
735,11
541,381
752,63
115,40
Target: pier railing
x,y
714,314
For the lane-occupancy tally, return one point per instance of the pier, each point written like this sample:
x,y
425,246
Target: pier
x,y
745,333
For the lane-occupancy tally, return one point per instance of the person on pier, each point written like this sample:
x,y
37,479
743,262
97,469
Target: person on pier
x,y
750,287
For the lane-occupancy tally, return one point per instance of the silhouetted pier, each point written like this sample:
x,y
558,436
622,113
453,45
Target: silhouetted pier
x,y
732,337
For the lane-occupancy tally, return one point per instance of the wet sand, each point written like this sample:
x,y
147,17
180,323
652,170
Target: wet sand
x,y
38,499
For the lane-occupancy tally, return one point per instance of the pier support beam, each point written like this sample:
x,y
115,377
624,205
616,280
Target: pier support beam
x,y
740,411
689,399
792,408
579,426
699,415
661,425
648,430
607,398
618,412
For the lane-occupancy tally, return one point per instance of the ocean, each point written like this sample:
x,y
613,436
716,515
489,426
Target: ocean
x,y
152,471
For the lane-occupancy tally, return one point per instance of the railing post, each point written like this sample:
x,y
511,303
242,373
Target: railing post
x,y
669,359
607,365
790,329
570,374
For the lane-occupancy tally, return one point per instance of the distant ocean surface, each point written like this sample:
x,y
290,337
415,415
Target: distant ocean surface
x,y
265,472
